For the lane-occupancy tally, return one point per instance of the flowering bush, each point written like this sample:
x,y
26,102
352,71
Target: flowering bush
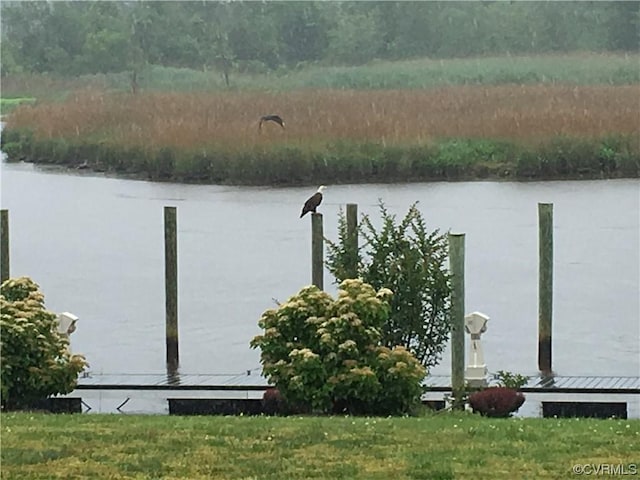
x,y
496,401
324,355
35,360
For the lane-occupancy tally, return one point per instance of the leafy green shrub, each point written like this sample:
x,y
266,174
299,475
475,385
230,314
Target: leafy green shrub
x,y
59,152
139,158
562,157
529,164
194,167
9,136
496,401
13,150
410,261
77,154
324,355
629,166
511,380
163,165
35,360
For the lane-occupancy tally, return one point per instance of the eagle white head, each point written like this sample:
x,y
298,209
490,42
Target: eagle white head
x,y
321,188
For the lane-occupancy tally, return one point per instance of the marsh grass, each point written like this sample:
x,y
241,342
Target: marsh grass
x,y
37,446
577,68
447,133
315,117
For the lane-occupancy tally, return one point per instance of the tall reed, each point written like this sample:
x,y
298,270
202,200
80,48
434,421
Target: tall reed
x,y
537,131
315,117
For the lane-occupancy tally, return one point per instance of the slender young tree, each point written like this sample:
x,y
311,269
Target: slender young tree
x,y
411,261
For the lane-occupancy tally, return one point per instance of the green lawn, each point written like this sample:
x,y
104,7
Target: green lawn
x,y
436,446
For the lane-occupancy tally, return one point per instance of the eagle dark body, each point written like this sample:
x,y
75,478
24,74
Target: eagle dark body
x,y
271,118
312,203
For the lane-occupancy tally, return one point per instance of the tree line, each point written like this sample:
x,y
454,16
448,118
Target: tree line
x,y
75,38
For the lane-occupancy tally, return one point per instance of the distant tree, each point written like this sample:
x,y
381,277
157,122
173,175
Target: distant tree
x,y
302,31
355,38
408,28
24,33
73,38
624,25
210,26
458,30
410,261
107,43
252,36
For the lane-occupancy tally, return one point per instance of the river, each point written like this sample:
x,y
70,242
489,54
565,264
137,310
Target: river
x,y
94,244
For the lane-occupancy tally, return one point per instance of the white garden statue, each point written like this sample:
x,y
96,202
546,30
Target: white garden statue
x,y
67,323
476,371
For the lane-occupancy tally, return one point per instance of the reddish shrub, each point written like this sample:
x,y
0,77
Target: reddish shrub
x,y
496,401
273,403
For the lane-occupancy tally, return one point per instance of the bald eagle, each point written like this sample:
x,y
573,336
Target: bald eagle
x,y
312,203
271,118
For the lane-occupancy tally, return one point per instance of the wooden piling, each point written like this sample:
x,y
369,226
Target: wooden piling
x,y
352,240
317,251
545,286
456,269
4,245
171,286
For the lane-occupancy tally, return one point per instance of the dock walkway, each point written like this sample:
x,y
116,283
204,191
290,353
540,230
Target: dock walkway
x,y
601,396
252,381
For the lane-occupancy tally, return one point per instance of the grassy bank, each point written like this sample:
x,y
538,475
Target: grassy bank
x,y
333,136
449,446
8,104
344,162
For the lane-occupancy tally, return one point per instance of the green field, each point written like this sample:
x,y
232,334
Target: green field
x,y
436,446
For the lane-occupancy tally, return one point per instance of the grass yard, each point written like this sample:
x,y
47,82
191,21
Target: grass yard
x,y
436,446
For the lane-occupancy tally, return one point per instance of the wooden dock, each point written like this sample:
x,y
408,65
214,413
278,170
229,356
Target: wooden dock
x,y
253,381
240,382
241,393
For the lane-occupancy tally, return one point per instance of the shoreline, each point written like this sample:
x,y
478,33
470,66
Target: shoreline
x,y
450,160
70,170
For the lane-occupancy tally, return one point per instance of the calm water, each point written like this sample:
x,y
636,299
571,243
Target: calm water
x,y
95,246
